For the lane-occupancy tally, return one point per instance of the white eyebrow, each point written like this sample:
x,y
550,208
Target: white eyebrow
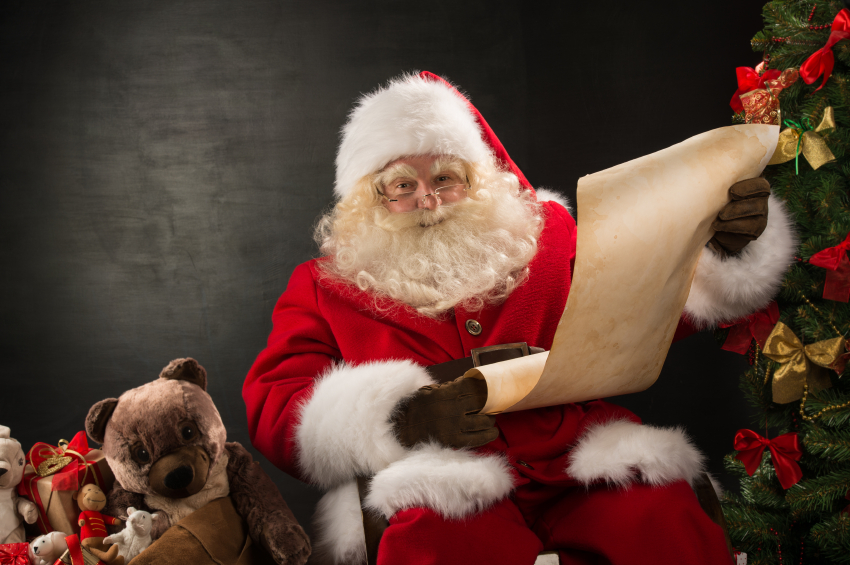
x,y
399,170
446,165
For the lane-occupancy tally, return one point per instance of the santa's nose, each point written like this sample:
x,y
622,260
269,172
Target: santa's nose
x,y
429,199
2,472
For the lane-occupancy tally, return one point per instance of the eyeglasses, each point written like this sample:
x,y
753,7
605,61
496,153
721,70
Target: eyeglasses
x,y
406,200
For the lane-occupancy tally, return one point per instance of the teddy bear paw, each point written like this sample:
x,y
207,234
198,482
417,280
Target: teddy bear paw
x,y
287,545
30,513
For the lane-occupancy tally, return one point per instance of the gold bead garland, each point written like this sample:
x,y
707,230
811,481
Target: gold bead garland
x,y
815,308
821,412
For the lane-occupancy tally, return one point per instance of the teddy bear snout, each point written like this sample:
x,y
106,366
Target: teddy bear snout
x,y
181,473
179,477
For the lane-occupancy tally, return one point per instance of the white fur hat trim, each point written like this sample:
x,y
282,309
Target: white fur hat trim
x,y
412,115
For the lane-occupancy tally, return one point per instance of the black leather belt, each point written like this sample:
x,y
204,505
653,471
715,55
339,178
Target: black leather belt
x,y
450,370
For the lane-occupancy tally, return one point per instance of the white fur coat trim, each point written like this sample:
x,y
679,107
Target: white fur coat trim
x,y
620,451
410,116
453,483
731,288
547,195
338,524
345,428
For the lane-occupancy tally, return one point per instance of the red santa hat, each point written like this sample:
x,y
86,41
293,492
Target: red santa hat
x,y
415,114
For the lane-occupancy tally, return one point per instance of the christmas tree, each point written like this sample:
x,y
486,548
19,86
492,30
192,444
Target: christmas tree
x,y
795,478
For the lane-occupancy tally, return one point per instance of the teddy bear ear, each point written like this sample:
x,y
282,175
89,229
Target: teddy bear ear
x,y
97,418
186,370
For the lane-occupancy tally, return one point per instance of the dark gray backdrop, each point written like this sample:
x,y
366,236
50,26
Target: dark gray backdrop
x,y
163,162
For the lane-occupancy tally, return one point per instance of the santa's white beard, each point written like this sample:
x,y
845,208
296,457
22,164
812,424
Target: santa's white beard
x,y
470,253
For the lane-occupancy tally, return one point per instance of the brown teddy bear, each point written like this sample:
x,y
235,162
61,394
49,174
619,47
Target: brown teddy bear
x,y
165,443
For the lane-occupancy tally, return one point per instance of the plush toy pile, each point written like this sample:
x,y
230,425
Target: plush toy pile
x,y
181,493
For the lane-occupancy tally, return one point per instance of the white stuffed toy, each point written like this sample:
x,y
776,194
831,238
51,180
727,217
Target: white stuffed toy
x,y
13,507
46,549
136,535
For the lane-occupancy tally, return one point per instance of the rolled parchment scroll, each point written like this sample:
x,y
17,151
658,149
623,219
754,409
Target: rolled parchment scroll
x,y
642,227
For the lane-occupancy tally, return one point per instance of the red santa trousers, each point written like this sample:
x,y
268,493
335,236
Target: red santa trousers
x,y
637,525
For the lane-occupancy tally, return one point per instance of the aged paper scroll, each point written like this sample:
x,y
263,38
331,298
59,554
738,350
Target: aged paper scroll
x,y
642,227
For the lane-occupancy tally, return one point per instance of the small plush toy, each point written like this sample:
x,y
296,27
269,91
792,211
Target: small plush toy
x,y
46,549
91,500
136,535
13,507
166,445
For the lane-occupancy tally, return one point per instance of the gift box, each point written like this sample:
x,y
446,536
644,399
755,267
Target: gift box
x,y
77,554
14,554
54,473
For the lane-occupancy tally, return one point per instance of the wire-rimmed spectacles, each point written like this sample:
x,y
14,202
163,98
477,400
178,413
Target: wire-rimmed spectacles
x,y
407,200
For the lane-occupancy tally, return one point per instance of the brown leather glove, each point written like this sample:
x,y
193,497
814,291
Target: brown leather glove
x,y
446,413
743,219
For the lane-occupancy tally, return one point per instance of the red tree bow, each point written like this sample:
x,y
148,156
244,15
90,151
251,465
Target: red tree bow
x,y
785,451
834,259
749,80
823,60
755,326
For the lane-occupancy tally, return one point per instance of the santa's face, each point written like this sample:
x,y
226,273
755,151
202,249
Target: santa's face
x,y
467,248
421,182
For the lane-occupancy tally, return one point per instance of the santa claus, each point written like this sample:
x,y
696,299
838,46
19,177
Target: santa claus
x,y
438,248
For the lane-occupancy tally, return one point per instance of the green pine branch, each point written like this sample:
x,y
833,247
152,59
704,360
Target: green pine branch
x,y
807,517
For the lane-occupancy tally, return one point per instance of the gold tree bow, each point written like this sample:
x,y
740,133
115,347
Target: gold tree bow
x,y
786,348
801,138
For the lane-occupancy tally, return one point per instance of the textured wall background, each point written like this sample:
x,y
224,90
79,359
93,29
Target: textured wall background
x,y
162,163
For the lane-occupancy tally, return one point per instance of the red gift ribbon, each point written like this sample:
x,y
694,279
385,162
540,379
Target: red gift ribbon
x,y
75,551
755,326
67,478
835,261
14,554
749,80
823,60
785,451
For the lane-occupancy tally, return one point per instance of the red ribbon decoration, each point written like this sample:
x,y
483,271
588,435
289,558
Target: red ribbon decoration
x,y
755,326
14,554
785,451
835,261
823,60
70,476
75,551
749,80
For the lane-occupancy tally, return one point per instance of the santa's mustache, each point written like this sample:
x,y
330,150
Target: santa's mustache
x,y
424,218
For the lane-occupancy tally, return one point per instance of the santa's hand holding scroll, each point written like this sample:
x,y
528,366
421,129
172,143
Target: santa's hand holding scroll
x,y
440,256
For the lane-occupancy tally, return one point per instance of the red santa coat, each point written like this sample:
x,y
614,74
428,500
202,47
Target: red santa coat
x,y
328,434
320,396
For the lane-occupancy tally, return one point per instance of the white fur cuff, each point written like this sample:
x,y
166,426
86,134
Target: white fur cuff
x,y
453,483
549,195
345,427
339,527
731,288
615,452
